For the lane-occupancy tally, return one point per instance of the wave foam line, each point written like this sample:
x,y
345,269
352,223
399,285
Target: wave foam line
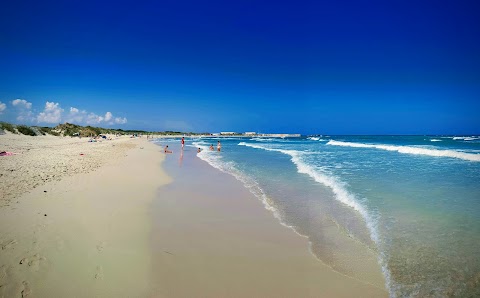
x,y
316,139
213,159
337,187
229,168
262,139
465,138
412,150
341,194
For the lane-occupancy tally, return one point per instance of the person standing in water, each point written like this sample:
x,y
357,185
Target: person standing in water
x,y
183,142
219,146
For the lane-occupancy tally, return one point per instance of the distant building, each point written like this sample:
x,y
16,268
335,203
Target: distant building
x,y
227,133
249,133
280,135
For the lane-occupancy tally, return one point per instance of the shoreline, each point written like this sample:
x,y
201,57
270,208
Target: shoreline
x,y
128,220
211,233
329,244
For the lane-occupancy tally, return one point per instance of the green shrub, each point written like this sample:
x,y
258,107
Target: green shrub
x,y
45,130
7,126
38,130
97,130
86,132
48,130
23,129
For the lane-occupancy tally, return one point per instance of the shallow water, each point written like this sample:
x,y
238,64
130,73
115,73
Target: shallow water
x,y
412,200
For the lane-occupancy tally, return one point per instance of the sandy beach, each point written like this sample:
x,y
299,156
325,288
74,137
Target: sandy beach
x,y
112,223
43,159
84,232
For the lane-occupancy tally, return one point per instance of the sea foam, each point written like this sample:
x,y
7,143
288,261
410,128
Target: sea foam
x,y
316,139
339,190
412,150
337,187
215,160
473,138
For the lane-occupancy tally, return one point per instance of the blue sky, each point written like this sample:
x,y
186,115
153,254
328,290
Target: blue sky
x,y
332,67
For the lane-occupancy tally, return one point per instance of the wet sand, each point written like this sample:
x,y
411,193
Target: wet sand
x,y
213,238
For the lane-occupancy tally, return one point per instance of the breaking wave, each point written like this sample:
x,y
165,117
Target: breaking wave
x,y
337,187
412,150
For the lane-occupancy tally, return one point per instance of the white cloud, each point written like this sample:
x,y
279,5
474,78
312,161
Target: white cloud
x,y
26,115
75,116
3,107
23,108
108,117
83,117
93,119
22,103
51,114
119,120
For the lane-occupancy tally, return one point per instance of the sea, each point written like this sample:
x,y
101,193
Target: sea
x,y
412,200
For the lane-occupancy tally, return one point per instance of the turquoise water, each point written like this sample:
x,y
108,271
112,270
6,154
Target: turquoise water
x,y
414,200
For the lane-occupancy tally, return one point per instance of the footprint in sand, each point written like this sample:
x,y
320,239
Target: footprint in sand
x,y
99,273
9,244
35,245
3,272
39,228
26,289
101,246
33,262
